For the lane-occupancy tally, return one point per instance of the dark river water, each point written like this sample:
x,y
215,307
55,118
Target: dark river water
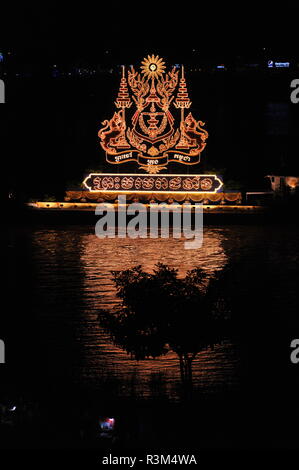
x,y
67,277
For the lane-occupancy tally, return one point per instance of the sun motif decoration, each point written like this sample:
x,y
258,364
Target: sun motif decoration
x,y
153,66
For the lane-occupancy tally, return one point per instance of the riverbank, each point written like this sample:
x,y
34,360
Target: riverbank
x,y
144,424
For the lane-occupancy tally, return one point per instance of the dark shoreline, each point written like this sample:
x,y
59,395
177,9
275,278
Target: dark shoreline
x,y
142,424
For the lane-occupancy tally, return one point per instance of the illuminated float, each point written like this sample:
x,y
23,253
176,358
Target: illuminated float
x,y
151,127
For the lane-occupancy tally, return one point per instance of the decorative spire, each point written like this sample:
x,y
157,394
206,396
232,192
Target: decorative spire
x,y
123,98
153,94
182,99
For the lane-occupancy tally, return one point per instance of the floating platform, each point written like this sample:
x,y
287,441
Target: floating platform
x,y
79,213
170,197
90,207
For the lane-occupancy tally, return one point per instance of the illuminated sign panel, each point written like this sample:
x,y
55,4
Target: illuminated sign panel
x,y
152,183
279,65
149,134
152,126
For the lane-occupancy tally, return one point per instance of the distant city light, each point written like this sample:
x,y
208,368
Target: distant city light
x,y
282,64
273,64
107,424
1,57
252,65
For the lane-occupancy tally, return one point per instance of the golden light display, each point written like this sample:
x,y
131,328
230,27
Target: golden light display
x,y
132,183
153,66
152,126
150,135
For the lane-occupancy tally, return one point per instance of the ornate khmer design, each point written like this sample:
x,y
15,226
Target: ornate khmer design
x,y
149,135
152,183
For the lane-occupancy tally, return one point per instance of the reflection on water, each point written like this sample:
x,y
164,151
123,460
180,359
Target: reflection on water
x,y
74,280
159,376
100,257
69,279
63,277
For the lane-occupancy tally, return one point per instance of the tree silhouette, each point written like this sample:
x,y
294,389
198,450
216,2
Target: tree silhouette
x,y
159,311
